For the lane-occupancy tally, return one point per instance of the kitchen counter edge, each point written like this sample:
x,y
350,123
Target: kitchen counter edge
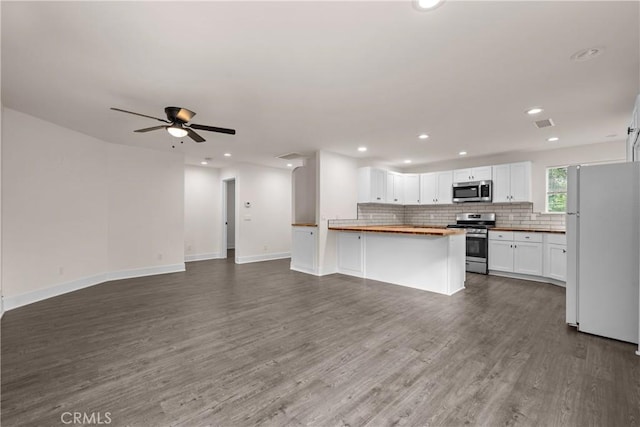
x,y
400,230
527,230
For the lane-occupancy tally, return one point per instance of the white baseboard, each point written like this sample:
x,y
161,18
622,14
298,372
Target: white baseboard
x,y
304,270
264,257
202,257
147,271
62,288
527,277
13,302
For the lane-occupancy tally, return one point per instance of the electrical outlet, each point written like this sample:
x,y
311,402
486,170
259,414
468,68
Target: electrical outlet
x,y
533,217
432,216
265,248
510,217
188,247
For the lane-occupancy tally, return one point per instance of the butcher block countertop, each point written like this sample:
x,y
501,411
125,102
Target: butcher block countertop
x,y
304,225
400,229
527,230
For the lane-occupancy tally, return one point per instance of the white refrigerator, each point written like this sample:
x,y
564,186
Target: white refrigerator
x,y
603,241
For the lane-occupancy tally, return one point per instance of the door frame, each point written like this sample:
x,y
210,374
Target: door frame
x,y
224,221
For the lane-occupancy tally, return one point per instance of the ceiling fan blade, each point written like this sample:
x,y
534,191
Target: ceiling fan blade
x,y
138,114
213,129
150,129
182,114
194,136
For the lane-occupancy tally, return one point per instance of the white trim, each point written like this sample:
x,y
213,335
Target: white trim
x,y
539,279
306,271
456,291
147,271
638,353
202,257
325,272
62,288
265,257
52,291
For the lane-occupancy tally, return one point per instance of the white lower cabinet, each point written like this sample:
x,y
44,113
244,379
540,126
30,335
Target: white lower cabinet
x,y
500,255
538,255
515,252
527,258
303,249
350,253
555,257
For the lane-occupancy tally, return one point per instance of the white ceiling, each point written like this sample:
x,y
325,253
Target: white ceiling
x,y
304,76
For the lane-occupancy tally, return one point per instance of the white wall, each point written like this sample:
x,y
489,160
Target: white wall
x,y
338,199
541,160
77,211
202,213
263,231
146,202
304,192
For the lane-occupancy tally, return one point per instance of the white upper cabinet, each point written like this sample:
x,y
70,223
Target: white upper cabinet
x,y
482,173
372,185
445,188
512,183
435,188
395,188
412,189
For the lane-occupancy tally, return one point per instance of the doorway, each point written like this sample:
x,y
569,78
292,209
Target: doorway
x,y
229,247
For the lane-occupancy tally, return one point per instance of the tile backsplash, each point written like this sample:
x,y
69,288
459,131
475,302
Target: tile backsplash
x,y
507,215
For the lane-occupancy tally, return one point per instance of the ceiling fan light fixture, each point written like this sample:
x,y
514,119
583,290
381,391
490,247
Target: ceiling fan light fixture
x,y
177,130
427,4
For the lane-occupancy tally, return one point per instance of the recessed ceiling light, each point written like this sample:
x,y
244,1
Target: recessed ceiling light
x,y
227,154
553,139
289,165
204,162
534,110
462,153
423,136
407,161
427,4
587,54
362,149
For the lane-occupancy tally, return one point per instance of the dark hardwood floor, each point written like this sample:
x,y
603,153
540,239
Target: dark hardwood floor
x,y
240,345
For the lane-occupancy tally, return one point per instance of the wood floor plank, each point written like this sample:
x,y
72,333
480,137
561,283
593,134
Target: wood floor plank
x,y
257,344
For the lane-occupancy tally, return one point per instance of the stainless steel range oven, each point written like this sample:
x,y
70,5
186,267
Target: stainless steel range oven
x,y
477,228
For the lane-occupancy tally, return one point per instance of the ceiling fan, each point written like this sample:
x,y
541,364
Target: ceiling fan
x,y
177,119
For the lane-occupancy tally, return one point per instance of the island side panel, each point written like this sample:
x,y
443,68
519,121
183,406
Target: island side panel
x,y
416,261
457,263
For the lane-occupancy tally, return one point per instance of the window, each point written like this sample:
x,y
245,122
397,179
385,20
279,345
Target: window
x,y
557,189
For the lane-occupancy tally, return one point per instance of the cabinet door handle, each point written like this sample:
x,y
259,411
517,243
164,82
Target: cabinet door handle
x,y
312,233
564,251
377,198
526,237
499,235
358,237
510,246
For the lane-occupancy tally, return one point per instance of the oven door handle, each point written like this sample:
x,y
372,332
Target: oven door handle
x,y
481,236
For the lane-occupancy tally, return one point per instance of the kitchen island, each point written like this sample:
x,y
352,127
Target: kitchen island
x,y
426,258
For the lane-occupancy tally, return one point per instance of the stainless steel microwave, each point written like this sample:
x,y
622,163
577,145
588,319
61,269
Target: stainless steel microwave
x,y
476,191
